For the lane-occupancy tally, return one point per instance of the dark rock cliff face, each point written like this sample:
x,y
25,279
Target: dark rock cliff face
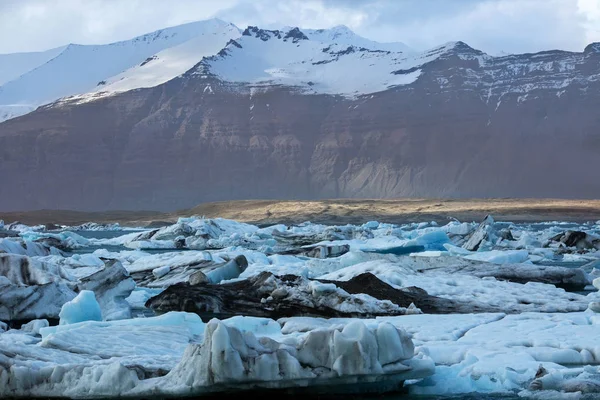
x,y
517,126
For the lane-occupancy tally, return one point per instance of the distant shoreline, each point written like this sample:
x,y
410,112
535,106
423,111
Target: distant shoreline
x,y
338,212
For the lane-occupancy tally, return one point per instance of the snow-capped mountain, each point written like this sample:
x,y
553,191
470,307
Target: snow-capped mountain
x,y
16,64
313,114
336,62
86,72
172,61
12,66
289,57
82,68
332,61
342,35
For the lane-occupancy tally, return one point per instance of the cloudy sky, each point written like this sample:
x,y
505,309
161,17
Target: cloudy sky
x,y
491,25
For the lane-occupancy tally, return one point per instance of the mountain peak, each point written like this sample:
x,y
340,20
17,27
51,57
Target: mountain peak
x,y
296,35
342,30
262,34
592,48
462,47
82,67
186,30
343,35
333,33
458,47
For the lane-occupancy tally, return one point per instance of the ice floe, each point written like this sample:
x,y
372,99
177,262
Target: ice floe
x,y
211,305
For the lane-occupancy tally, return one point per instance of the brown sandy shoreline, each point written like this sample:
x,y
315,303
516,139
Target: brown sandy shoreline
x,y
340,211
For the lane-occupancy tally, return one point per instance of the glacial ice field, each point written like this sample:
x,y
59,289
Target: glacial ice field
x,y
209,306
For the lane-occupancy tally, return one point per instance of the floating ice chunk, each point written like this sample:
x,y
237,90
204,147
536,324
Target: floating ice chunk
x,y
412,309
258,326
455,250
137,299
458,228
173,259
532,258
527,240
355,350
75,381
561,384
19,227
26,271
84,307
500,256
230,270
480,235
195,233
148,344
596,283
394,344
452,379
66,238
35,326
29,302
88,259
31,289
230,358
94,226
433,240
319,289
279,259
161,271
190,321
117,241
111,286
152,245
430,253
24,247
371,225
219,360
594,306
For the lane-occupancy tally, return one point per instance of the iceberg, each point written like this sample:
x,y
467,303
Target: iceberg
x,y
500,256
84,307
32,289
82,358
231,360
221,306
111,286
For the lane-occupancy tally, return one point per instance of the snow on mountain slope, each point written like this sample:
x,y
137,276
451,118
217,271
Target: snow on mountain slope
x,y
336,61
171,62
332,61
80,68
343,35
8,111
16,64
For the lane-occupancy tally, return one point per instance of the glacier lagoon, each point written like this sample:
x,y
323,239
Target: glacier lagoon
x,y
492,308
